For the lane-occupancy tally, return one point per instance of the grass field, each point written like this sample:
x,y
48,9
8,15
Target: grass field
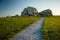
x,y
51,29
11,25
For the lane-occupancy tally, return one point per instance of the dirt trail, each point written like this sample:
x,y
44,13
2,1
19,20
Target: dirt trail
x,y
33,32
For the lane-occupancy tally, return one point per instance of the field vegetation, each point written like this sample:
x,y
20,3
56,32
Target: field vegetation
x,y
51,28
9,26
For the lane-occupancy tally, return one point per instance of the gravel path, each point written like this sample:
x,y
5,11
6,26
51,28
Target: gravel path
x,y
33,32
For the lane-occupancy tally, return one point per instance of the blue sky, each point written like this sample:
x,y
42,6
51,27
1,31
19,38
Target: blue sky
x,y
13,7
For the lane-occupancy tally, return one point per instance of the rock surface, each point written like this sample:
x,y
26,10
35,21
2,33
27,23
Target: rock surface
x,y
46,12
29,11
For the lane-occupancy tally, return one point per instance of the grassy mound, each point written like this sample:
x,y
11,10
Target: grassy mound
x,y
51,29
9,26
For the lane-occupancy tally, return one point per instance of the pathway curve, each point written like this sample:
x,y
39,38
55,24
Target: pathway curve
x,y
33,32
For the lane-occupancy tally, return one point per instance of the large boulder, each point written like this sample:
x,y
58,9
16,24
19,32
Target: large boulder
x,y
29,11
46,12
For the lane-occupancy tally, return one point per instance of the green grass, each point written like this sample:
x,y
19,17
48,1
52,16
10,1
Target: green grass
x,y
9,26
51,29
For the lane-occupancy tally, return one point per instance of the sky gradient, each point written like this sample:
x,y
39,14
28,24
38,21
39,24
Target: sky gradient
x,y
13,7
